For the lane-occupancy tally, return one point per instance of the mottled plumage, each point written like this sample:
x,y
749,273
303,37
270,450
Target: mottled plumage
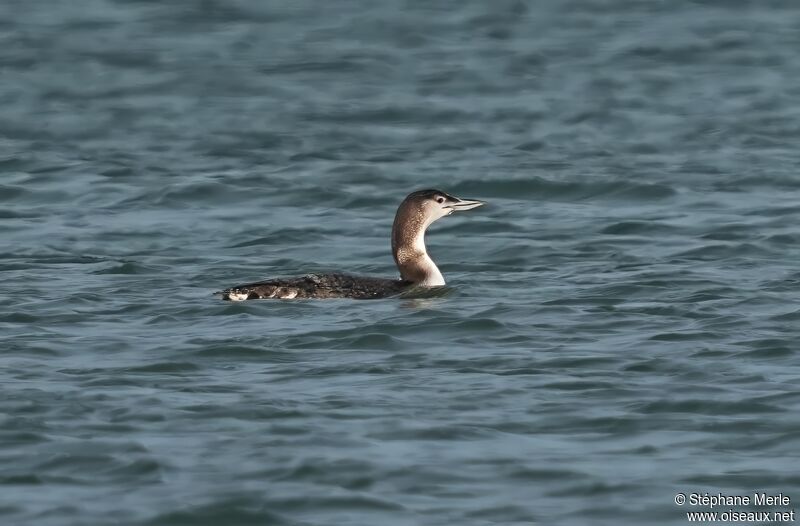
x,y
415,214
320,286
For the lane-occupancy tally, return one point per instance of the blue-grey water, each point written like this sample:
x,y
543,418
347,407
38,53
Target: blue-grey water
x,y
623,319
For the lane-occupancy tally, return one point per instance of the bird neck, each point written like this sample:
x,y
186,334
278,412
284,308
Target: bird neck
x,y
410,254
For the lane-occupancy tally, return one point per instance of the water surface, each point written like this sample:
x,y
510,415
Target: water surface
x,y
623,323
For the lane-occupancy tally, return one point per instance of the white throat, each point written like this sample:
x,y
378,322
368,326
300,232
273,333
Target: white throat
x,y
433,277
415,264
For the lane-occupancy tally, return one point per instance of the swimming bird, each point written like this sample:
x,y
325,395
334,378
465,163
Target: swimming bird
x,y
414,215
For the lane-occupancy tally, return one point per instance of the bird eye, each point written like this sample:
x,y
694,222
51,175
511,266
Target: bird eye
x,y
440,199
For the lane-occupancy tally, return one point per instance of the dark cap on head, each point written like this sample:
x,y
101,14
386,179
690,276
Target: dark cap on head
x,y
431,193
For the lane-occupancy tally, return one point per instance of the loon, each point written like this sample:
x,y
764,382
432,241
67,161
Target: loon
x,y
414,215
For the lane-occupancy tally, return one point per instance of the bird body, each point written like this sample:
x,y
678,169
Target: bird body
x,y
414,215
320,286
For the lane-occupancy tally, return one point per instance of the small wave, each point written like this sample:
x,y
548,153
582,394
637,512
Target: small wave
x,y
127,268
163,367
540,188
281,236
708,407
624,228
